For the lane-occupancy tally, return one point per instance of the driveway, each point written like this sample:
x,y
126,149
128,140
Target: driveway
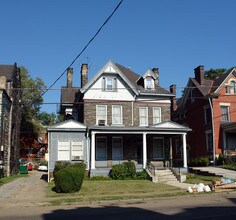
x,y
25,191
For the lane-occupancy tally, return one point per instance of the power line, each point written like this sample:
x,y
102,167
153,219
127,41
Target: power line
x,y
90,41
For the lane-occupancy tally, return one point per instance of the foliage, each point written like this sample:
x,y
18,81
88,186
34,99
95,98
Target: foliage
x,y
199,162
61,165
220,159
43,162
31,100
142,175
69,179
213,74
230,166
123,171
46,118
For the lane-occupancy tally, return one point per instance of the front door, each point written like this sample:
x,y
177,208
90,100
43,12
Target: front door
x,y
158,148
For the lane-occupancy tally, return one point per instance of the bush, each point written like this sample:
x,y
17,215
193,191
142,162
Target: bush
x,y
199,162
220,159
142,175
123,171
69,179
61,165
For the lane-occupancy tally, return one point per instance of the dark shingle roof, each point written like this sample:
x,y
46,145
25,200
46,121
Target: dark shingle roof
x,y
7,70
68,95
133,78
204,89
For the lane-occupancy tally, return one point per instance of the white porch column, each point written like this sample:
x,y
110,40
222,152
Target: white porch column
x,y
184,150
93,150
144,150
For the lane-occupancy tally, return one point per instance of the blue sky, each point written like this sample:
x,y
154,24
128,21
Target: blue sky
x,y
174,35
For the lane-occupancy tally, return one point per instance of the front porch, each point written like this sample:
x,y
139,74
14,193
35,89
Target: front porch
x,y
110,146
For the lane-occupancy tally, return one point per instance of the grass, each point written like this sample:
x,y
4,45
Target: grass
x,y
114,190
195,179
8,179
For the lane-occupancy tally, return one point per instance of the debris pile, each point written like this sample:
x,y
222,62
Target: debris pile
x,y
224,184
197,188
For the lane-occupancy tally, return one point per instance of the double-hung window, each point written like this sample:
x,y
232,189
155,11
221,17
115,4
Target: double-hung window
x,y
233,87
117,148
209,140
76,150
149,83
117,115
143,116
109,84
224,109
63,150
101,148
101,113
156,115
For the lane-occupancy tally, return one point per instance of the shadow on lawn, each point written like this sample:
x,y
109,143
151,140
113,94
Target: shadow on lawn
x,y
135,213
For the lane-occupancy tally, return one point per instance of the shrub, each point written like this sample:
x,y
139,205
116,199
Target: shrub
x,y
69,179
142,175
43,162
220,159
130,170
61,165
123,171
201,161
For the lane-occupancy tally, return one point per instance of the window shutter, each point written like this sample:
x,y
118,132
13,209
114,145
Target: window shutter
x,y
115,85
103,84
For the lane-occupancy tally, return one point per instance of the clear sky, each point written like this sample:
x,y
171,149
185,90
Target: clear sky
x,y
174,35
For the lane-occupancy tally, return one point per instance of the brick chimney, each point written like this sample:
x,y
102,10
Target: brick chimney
x,y
173,100
199,75
156,72
84,74
69,77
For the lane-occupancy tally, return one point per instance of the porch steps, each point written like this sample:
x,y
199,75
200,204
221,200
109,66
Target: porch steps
x,y
163,176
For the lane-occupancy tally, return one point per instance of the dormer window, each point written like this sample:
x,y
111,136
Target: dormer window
x,y
149,83
232,87
109,84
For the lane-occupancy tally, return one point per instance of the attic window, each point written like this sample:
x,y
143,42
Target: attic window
x,y
149,83
232,87
109,84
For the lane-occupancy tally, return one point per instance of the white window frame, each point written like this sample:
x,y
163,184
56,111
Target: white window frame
x,y
145,117
119,148
156,119
102,116
232,87
77,150
97,148
227,106
154,146
207,133
109,84
149,83
117,119
63,151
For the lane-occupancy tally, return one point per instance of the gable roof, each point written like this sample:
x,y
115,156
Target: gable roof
x,y
68,95
130,78
70,125
220,81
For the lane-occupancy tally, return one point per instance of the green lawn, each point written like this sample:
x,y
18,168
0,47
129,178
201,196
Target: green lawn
x,y
114,190
195,179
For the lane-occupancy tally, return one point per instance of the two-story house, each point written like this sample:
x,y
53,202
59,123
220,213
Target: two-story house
x,y
208,107
10,84
127,117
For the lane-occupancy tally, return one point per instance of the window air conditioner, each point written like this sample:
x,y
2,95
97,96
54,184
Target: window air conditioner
x,y
101,122
77,157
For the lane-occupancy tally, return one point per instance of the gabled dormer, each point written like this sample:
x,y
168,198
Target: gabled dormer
x,y
150,78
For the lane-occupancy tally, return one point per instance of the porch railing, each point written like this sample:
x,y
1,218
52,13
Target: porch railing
x,y
151,168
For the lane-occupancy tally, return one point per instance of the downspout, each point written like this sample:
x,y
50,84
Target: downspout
x,y
213,131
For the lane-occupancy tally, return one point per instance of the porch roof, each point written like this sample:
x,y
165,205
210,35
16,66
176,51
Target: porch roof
x,y
229,127
164,128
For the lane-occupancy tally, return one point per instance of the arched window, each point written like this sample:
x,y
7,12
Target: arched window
x,y
233,87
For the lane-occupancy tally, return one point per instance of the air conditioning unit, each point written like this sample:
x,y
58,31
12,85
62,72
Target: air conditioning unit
x,y
77,158
101,122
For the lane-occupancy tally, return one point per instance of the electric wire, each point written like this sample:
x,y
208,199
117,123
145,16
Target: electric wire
x,y
90,41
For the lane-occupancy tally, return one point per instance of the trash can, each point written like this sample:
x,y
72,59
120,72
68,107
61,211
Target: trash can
x,y
23,170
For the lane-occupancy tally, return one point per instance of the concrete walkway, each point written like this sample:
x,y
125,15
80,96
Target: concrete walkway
x,y
218,171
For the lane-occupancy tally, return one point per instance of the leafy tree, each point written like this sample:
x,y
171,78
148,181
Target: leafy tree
x,y
46,118
31,100
213,74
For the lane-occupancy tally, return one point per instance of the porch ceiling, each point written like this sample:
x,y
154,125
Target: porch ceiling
x,y
229,127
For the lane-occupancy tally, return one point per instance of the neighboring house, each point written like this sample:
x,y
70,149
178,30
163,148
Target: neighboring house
x,y
208,108
127,117
67,141
10,84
